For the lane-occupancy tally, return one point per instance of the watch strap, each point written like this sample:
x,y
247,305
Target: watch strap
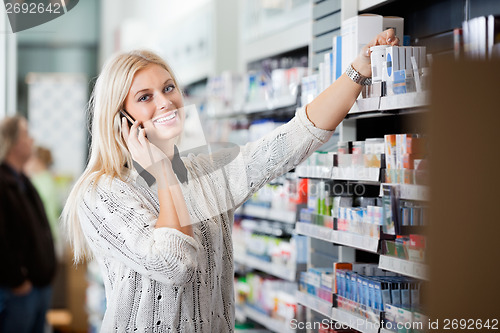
x,y
357,77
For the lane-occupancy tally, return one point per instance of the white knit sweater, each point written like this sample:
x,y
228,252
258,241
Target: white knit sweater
x,y
161,280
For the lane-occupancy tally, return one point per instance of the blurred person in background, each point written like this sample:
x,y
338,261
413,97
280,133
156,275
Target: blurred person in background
x,y
166,252
26,246
38,170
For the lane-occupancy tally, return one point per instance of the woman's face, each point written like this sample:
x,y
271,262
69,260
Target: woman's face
x,y
154,100
23,148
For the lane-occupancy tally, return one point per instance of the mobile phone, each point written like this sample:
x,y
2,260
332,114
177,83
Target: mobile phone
x,y
129,118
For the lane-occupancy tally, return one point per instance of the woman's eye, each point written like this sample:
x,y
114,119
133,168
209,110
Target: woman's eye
x,y
143,98
169,88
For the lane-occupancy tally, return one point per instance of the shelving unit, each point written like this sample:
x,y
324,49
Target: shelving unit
x,y
405,267
265,213
359,242
415,100
280,271
272,324
315,303
279,41
381,107
345,318
369,4
355,174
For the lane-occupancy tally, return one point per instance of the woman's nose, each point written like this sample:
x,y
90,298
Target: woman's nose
x,y
162,102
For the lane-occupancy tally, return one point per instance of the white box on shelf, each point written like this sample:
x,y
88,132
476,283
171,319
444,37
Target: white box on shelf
x,y
392,61
397,23
356,32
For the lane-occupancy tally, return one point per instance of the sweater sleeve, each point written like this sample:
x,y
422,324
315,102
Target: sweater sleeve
x,y
234,176
119,225
278,152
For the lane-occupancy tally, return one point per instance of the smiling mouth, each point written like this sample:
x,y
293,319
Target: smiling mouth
x,y
165,118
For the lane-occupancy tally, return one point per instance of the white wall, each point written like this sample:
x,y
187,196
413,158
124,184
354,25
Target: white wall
x,y
7,67
140,23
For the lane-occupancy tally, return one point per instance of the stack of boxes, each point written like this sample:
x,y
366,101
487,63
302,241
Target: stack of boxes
x,y
404,154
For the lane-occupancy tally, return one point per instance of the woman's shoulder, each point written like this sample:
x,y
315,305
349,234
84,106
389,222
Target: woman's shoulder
x,y
103,183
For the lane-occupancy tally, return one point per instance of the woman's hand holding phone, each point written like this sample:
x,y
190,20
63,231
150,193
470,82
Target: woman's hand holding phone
x,y
149,156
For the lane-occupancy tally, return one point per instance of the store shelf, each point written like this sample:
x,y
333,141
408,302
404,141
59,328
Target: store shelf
x,y
366,105
370,4
277,109
268,213
280,271
414,192
359,242
271,104
315,303
387,105
325,308
270,323
357,322
404,101
292,38
405,267
410,191
239,313
356,174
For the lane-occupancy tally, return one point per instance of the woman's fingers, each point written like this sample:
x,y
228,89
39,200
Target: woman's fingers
x,y
125,130
142,136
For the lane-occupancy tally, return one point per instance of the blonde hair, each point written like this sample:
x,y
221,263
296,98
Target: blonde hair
x,y
108,150
9,133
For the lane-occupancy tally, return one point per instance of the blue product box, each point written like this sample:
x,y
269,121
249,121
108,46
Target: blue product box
x,y
354,287
371,292
395,293
301,248
366,292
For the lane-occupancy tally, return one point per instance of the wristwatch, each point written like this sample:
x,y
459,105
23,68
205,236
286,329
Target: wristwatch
x,y
357,77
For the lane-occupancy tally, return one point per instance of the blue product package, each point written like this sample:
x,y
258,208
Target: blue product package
x,y
415,294
405,295
354,287
360,291
395,294
371,292
348,284
378,285
385,293
366,292
301,248
399,85
340,275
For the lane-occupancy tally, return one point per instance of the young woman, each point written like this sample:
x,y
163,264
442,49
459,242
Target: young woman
x,y
165,251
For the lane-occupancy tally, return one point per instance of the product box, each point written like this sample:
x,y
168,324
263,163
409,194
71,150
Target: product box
x,y
315,275
390,151
408,55
344,266
403,316
402,58
405,295
422,320
391,314
395,293
338,68
328,75
392,63
327,279
396,23
417,241
356,32
340,276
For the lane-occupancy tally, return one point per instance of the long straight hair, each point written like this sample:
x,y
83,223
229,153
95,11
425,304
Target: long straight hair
x,y
108,149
